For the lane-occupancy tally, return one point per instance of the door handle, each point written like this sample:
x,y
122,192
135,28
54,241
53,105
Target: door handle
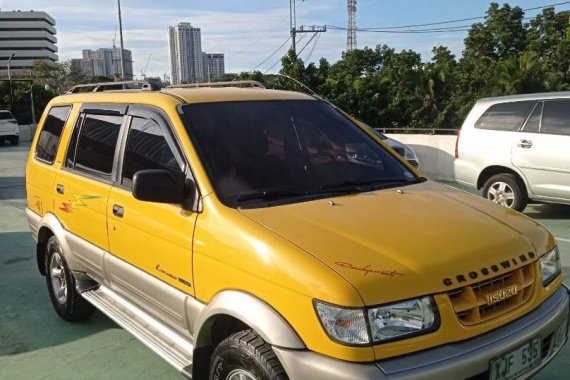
x,y
118,211
525,144
59,188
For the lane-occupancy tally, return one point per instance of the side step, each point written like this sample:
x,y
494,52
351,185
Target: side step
x,y
170,345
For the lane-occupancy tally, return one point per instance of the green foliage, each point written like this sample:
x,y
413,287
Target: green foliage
x,y
387,89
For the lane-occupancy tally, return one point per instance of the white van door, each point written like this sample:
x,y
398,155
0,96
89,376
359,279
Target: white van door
x,y
541,150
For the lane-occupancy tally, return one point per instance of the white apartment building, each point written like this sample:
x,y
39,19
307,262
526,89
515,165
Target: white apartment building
x,y
214,66
30,36
186,62
104,62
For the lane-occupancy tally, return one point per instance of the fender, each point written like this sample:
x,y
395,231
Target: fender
x,y
261,317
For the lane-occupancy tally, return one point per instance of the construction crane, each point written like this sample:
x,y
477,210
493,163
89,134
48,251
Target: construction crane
x,y
143,71
351,25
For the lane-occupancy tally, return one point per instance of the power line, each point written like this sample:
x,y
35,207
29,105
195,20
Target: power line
x,y
272,54
449,21
307,44
313,48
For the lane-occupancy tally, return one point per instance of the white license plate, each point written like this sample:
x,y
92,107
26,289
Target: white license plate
x,y
517,362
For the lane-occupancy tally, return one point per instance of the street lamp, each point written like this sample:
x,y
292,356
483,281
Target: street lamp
x,y
10,80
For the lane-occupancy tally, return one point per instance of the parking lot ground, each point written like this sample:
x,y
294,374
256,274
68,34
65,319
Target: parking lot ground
x,y
36,344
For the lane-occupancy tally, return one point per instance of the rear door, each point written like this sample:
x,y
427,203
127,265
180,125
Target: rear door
x,y
541,149
152,241
82,186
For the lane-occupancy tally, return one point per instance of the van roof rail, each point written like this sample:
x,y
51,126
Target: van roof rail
x,y
235,83
143,85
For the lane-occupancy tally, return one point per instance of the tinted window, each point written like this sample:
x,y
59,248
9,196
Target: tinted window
x,y
147,148
505,116
556,117
6,115
96,144
290,149
48,140
533,122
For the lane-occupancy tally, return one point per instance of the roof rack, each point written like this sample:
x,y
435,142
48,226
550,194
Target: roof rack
x,y
235,83
143,85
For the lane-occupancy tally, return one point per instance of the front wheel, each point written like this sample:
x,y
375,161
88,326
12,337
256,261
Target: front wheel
x,y
505,189
66,300
245,356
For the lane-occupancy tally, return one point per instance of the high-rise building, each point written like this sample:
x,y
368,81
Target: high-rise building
x,y
29,36
104,62
213,66
186,61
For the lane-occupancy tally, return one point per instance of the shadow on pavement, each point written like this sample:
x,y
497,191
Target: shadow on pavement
x,y
12,188
548,211
28,321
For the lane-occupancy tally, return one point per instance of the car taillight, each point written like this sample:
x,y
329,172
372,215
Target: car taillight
x,y
457,144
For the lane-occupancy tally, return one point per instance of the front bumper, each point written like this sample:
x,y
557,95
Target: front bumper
x,y
462,360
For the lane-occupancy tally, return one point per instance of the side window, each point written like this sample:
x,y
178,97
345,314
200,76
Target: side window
x,y
93,143
50,135
147,148
505,116
533,123
556,117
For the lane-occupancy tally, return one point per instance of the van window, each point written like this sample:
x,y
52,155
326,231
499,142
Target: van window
x,y
147,148
96,143
556,117
533,123
48,140
505,116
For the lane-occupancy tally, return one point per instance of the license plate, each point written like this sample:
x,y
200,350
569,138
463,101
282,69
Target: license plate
x,y
517,362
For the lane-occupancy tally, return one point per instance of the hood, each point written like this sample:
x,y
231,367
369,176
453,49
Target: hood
x,y
395,244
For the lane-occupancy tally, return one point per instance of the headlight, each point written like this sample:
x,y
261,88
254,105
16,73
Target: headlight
x,y
342,324
398,320
550,265
388,322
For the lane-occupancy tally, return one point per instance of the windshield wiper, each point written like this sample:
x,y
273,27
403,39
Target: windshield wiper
x,y
269,194
360,185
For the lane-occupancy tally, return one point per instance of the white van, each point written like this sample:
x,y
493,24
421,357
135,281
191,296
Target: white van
x,y
517,149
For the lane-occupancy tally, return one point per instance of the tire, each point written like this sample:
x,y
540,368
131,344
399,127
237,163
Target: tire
x,y
505,189
66,300
15,140
245,356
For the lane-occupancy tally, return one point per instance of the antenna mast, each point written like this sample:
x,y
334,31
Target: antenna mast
x,y
351,27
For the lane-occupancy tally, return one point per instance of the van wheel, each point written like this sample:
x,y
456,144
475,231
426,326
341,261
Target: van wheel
x,y
506,190
15,140
66,300
245,356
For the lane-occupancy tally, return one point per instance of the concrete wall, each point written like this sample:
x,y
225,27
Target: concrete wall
x,y
435,152
27,132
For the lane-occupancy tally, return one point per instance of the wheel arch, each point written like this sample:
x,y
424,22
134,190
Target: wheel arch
x,y
232,311
492,170
49,226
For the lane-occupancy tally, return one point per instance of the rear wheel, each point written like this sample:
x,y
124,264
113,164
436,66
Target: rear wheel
x,y
15,140
245,356
505,189
66,300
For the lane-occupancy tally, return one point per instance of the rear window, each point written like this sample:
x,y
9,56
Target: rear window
x,y
556,117
6,115
50,135
505,116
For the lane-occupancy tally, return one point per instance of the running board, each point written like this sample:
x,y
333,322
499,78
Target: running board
x,y
170,345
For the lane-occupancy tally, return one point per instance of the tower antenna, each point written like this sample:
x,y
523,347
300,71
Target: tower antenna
x,y
351,27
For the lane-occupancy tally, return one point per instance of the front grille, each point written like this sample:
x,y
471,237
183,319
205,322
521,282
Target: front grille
x,y
471,303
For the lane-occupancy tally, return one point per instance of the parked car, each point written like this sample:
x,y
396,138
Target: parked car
x,y
515,149
245,233
404,150
9,129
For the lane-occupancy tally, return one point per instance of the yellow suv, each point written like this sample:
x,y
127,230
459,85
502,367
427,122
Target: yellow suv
x,y
246,233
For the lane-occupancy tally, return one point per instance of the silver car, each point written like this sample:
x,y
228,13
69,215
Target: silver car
x,y
9,129
405,151
516,149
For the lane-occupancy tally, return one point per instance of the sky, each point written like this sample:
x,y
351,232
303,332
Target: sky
x,y
249,31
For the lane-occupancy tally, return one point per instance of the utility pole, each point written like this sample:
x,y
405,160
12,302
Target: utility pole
x,y
293,25
32,97
121,37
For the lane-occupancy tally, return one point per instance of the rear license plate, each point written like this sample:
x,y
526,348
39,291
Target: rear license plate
x,y
517,362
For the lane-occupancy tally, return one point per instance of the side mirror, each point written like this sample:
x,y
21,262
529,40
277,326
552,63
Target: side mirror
x,y
400,150
158,185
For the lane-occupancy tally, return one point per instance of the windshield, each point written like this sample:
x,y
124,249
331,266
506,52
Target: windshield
x,y
6,115
259,153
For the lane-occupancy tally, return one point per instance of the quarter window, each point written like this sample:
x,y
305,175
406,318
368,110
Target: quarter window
x,y
50,135
505,116
96,143
556,117
147,148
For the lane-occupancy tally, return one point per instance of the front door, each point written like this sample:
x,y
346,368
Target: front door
x,y
152,241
